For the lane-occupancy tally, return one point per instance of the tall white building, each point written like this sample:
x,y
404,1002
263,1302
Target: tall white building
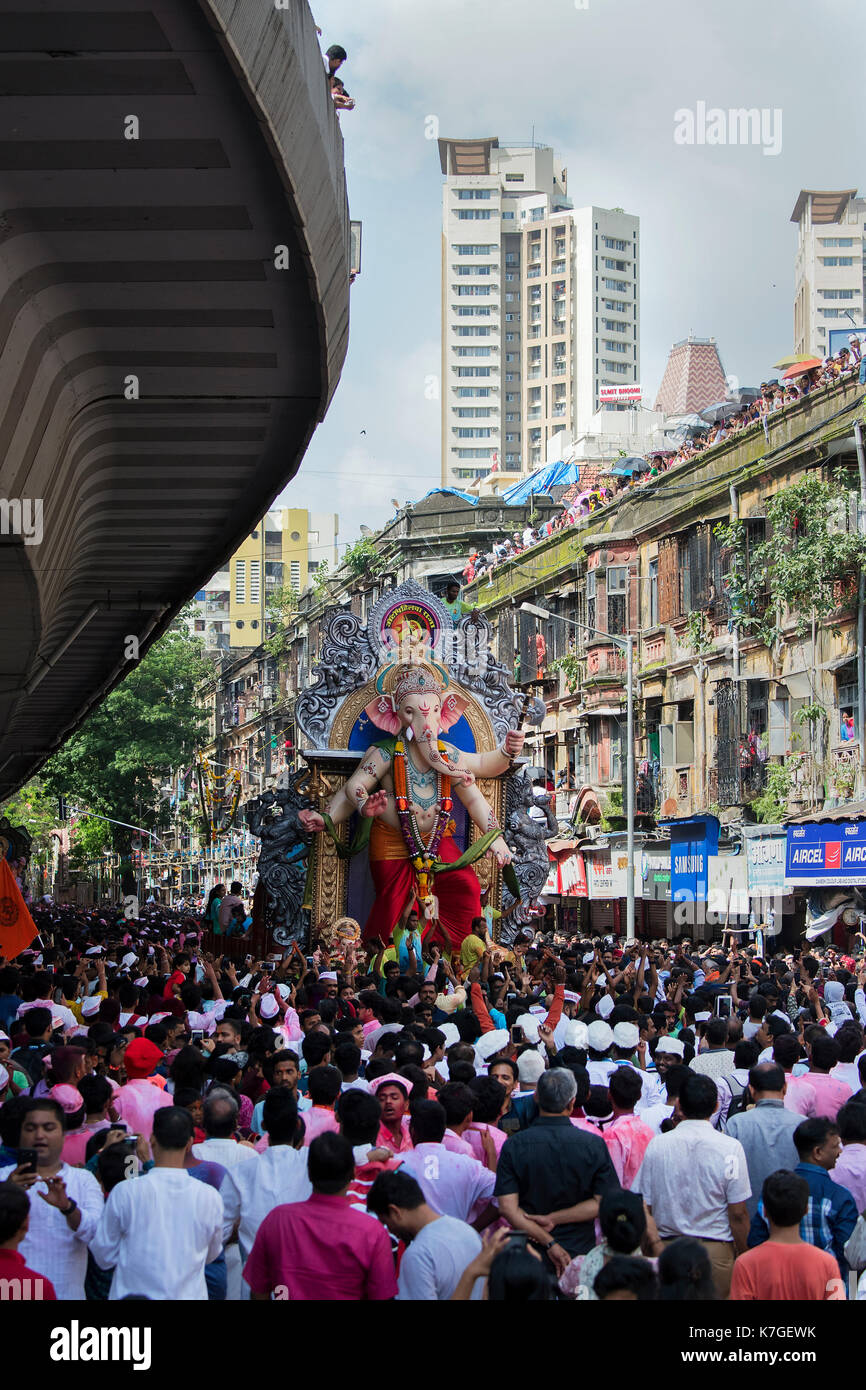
x,y
540,308
828,271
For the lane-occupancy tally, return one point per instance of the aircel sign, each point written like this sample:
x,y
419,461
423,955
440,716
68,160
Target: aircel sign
x,y
825,856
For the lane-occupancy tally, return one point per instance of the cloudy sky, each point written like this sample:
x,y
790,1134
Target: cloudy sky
x,y
600,80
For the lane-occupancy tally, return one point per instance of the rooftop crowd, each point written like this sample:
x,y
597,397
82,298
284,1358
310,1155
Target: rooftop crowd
x,y
774,396
567,1119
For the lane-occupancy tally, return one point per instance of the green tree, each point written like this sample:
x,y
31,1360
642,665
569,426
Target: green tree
x,y
282,607
364,557
35,808
147,726
88,838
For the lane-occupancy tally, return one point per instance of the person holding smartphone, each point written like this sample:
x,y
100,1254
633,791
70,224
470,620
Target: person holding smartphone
x,y
65,1203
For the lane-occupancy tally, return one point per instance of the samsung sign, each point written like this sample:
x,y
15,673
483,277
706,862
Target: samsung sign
x,y
692,843
825,856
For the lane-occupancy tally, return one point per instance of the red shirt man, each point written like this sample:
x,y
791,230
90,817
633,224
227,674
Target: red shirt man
x,y
17,1280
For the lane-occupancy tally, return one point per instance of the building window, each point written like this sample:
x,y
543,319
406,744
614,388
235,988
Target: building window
x,y
473,194
653,599
836,294
846,699
474,214
590,599
255,581
836,260
295,575
617,592
240,581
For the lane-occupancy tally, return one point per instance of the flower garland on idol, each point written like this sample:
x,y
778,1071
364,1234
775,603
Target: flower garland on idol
x,y
423,855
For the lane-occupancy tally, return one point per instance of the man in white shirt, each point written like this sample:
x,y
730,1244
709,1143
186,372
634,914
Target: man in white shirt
x,y
695,1181
65,1203
251,1190
220,1121
438,1247
599,1041
669,1053
717,1060
159,1230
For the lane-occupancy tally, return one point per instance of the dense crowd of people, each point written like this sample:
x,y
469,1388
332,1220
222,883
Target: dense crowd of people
x,y
753,414
566,1119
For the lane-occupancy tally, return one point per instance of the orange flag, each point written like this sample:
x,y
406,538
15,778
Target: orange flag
x,y
17,928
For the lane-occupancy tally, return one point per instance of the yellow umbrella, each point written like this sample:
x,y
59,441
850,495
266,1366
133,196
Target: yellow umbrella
x,y
793,358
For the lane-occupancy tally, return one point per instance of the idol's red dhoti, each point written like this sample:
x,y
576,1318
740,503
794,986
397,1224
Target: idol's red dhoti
x,y
458,890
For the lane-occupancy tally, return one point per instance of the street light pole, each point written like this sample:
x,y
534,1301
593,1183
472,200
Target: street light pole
x,y
623,643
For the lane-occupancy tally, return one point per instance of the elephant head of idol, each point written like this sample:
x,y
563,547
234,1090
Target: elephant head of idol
x,y
415,701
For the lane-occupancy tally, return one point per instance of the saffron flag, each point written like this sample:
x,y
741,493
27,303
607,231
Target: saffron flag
x,y
17,928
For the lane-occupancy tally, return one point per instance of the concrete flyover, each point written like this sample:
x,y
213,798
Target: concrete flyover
x,y
162,363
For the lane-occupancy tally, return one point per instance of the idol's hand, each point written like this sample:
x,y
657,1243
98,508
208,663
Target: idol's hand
x,y
514,740
500,851
375,805
311,821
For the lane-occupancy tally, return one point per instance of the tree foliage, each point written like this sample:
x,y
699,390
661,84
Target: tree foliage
x,y
35,808
282,607
364,558
148,726
806,553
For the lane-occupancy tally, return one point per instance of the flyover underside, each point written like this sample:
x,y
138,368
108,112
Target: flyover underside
x,y
160,374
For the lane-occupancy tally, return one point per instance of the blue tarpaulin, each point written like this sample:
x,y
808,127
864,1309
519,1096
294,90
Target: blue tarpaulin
x,y
454,492
542,480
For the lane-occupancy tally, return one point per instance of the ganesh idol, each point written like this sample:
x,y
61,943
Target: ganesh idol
x,y
405,784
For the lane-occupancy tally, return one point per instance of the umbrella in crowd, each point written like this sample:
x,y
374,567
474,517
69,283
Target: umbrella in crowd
x,y
799,368
792,359
722,410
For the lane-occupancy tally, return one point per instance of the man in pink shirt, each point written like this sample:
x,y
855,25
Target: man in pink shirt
x,y
458,1102
489,1105
850,1167
137,1102
800,1097
322,1249
392,1093
323,1087
628,1138
830,1094
452,1183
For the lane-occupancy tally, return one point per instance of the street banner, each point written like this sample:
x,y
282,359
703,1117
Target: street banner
x,y
826,856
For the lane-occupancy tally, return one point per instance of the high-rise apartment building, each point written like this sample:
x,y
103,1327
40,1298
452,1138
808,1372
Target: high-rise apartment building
x,y
828,272
540,307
